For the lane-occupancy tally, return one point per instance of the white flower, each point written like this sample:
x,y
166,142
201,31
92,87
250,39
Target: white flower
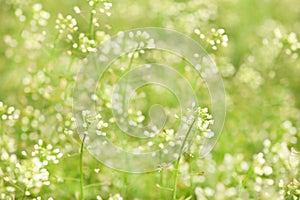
x,y
76,9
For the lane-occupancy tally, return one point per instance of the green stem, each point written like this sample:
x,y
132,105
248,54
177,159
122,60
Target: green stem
x,y
162,182
91,28
95,185
52,51
70,64
278,57
125,176
125,181
191,176
81,167
24,193
161,179
2,128
178,160
131,59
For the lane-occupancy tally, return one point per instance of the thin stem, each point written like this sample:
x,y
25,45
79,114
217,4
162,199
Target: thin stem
x,y
161,179
81,167
70,64
125,177
16,186
95,185
178,160
191,176
162,183
125,181
278,57
131,59
24,193
164,188
91,28
52,51
2,129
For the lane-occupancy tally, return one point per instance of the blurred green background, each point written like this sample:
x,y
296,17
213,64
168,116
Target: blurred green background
x,y
260,69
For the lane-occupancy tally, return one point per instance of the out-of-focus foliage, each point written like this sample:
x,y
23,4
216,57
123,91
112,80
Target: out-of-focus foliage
x,y
255,44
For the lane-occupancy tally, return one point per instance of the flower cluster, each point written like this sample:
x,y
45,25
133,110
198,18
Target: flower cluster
x,y
85,44
66,24
38,85
186,16
29,175
216,39
271,174
136,117
32,174
203,122
112,197
9,114
103,7
32,38
90,119
166,137
40,16
116,197
288,42
82,42
46,153
250,76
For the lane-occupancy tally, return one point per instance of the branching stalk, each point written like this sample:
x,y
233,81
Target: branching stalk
x,y
178,160
81,168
